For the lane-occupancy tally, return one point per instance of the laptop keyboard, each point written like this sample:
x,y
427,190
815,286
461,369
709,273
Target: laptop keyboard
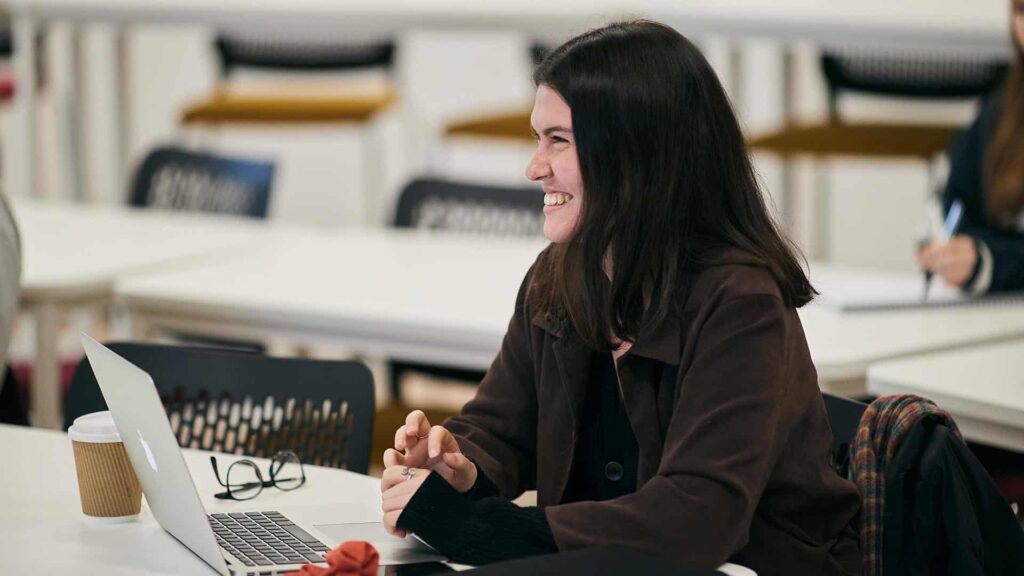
x,y
265,539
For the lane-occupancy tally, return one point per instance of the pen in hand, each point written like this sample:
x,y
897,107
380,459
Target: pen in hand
x,y
949,229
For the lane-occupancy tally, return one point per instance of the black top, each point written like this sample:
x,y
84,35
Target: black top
x,y
479,527
604,466
966,183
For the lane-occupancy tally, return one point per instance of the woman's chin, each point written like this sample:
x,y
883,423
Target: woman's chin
x,y
558,236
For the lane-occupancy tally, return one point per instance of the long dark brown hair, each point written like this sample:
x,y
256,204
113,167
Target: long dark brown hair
x,y
1004,159
666,177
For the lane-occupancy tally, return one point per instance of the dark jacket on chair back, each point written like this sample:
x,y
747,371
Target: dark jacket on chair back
x,y
943,513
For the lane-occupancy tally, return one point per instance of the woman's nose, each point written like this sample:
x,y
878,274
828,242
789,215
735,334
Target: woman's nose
x,y
538,168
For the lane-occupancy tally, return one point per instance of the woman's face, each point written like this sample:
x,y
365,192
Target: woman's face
x,y
1017,17
555,164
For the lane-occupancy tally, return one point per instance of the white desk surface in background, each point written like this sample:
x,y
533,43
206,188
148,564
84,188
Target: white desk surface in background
x,y
448,300
982,387
77,250
845,344
386,293
72,253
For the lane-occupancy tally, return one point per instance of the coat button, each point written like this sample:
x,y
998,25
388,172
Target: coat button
x,y
613,471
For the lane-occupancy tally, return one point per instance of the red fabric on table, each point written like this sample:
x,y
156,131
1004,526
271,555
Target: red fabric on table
x,y
352,558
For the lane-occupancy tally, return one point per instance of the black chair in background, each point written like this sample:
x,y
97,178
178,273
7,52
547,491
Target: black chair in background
x,y
477,209
844,419
178,179
933,77
235,51
356,103
250,404
435,204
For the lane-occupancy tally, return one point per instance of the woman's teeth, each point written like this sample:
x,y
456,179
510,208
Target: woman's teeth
x,y
556,199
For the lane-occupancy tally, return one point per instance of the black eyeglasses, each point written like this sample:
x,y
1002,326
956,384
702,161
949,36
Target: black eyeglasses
x,y
244,480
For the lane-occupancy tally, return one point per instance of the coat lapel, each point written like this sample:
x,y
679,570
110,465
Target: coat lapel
x,y
572,359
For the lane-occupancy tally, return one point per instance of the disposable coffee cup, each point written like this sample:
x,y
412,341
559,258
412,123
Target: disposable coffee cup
x,y
107,484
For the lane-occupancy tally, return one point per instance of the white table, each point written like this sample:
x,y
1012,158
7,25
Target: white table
x,y
982,387
416,296
43,531
978,26
844,344
447,300
72,253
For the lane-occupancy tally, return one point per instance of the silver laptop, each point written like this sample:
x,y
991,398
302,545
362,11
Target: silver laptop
x,y
242,542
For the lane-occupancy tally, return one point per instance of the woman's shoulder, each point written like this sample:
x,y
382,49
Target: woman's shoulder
x,y
729,273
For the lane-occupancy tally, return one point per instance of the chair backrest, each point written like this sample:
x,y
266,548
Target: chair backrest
x,y
471,208
844,418
277,53
178,179
244,403
910,75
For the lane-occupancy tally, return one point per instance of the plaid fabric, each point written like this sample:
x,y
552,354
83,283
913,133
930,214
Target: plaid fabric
x,y
884,425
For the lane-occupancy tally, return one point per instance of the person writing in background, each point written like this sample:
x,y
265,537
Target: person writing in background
x,y
987,176
654,385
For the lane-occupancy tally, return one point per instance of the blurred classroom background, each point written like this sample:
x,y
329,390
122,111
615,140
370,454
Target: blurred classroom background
x,y
350,102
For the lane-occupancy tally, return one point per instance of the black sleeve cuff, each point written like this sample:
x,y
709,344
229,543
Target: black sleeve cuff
x,y
977,264
435,508
475,533
483,487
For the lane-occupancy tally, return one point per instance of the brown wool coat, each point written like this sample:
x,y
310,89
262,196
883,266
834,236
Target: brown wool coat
x,y
732,432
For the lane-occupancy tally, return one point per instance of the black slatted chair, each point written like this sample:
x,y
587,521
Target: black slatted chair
x,y
353,104
933,77
178,179
449,206
434,204
236,51
844,418
250,404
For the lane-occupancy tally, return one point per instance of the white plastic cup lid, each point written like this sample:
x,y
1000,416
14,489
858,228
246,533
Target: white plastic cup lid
x,y
97,428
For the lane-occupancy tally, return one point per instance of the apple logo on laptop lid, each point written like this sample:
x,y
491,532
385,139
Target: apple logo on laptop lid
x,y
149,453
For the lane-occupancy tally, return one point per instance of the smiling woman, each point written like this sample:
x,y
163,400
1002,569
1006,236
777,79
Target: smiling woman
x,y
555,164
655,385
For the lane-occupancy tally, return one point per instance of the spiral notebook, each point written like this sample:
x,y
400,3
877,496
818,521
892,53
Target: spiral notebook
x,y
861,291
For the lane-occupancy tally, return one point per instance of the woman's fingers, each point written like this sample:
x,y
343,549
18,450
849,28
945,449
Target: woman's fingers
x,y
462,471
457,462
440,441
416,425
400,438
390,524
396,498
930,254
395,475
393,457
